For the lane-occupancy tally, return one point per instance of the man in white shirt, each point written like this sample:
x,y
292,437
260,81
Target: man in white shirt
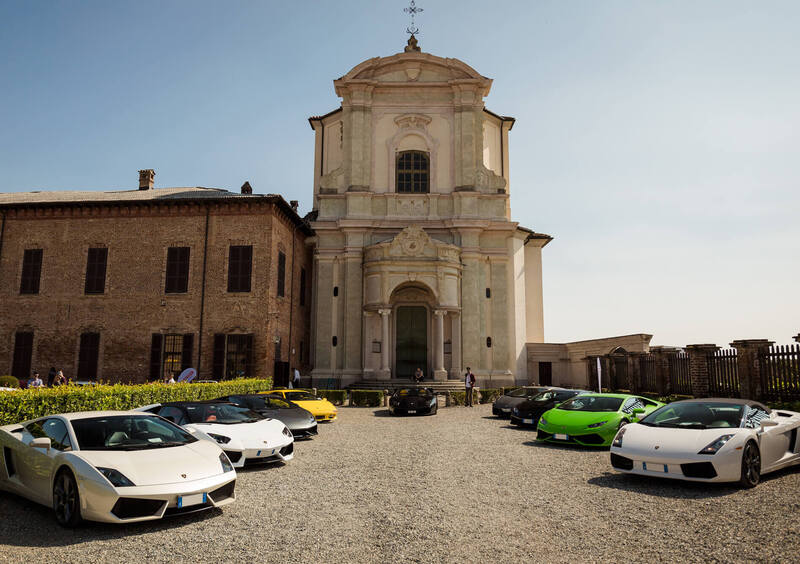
x,y
296,379
469,386
36,382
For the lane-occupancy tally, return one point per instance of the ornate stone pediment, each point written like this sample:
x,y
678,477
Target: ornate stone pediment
x,y
412,243
413,121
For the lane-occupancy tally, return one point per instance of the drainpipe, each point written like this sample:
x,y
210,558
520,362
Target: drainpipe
x,y
291,301
202,297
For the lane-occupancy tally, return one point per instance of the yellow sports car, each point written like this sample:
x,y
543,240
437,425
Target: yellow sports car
x,y
320,408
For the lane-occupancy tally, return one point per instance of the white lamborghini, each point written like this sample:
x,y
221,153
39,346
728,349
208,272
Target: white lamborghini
x,y
245,436
113,466
709,440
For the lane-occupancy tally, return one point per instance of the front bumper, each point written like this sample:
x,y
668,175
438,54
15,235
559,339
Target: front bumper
x,y
500,411
107,504
329,416
304,431
721,467
411,409
583,436
261,454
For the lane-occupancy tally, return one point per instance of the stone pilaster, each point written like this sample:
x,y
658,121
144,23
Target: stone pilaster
x,y
698,367
439,373
747,351
385,372
662,356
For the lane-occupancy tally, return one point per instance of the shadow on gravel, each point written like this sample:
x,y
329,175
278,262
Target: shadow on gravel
x,y
25,523
662,487
383,413
576,448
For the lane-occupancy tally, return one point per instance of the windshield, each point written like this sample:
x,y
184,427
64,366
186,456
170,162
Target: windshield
x,y
414,393
591,403
220,413
128,432
696,415
257,402
299,396
545,396
522,393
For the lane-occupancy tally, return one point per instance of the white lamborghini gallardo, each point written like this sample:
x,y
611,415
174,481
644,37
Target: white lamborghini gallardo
x,y
113,466
709,440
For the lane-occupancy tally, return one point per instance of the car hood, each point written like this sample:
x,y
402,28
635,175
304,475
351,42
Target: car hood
x,y
315,406
642,439
296,415
265,429
508,401
578,418
157,466
530,405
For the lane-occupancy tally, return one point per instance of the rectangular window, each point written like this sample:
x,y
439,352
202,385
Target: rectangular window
x,y
23,350
31,271
177,276
88,355
170,355
96,270
173,355
302,286
281,274
240,267
233,356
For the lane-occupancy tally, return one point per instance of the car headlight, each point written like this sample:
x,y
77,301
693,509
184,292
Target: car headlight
x,y
287,432
221,439
596,425
226,464
542,421
618,439
716,445
516,410
117,478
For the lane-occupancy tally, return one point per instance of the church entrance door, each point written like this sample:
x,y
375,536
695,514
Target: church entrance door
x,y
411,349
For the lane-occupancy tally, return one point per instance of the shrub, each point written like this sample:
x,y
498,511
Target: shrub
x,y
489,395
366,398
458,398
8,382
30,404
336,397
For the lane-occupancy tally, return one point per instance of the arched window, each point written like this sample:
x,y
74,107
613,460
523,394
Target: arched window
x,y
413,172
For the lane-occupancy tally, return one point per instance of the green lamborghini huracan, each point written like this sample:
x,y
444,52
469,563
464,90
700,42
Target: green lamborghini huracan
x,y
592,419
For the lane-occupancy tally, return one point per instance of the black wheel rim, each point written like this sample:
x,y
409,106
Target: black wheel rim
x,y
752,464
65,498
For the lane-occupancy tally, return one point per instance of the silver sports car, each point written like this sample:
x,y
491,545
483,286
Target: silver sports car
x,y
113,466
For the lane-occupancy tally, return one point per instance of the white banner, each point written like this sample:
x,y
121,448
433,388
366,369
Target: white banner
x,y
599,376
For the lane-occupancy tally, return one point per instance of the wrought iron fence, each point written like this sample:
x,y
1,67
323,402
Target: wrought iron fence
x,y
648,381
723,374
779,370
679,378
619,372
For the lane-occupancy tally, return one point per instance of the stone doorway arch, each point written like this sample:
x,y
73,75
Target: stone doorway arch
x,y
412,305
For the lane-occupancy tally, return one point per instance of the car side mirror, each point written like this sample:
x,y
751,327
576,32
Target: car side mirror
x,y
768,423
637,411
41,442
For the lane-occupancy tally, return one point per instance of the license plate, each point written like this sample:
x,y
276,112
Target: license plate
x,y
410,411
560,437
506,409
194,499
656,467
528,421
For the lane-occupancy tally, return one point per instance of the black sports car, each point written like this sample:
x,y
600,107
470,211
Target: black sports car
x,y
410,401
529,411
504,404
300,421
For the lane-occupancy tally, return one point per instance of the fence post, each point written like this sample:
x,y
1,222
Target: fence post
x,y
747,351
698,367
634,371
662,355
797,338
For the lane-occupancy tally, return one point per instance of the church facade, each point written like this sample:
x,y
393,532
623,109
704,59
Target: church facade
x,y
417,263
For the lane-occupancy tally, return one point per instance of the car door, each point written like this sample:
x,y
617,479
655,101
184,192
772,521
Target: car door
x,y
38,463
774,441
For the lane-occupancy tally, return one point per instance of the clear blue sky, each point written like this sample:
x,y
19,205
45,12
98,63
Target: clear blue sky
x,y
658,141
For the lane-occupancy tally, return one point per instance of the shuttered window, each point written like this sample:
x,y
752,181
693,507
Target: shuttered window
x,y
23,350
302,286
170,355
31,271
281,274
240,267
96,262
233,356
177,274
88,356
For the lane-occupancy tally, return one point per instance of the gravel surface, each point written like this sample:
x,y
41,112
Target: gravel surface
x,y
460,486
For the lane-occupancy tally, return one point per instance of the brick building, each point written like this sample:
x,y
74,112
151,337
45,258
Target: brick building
x,y
133,285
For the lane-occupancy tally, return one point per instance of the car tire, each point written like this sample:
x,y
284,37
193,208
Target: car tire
x,y
751,465
66,499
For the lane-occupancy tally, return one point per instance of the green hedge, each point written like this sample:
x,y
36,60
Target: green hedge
x,y
8,382
458,398
488,395
366,398
29,404
336,397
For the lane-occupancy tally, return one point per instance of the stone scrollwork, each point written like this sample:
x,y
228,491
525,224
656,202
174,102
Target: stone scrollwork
x,y
412,206
413,121
486,179
334,179
411,241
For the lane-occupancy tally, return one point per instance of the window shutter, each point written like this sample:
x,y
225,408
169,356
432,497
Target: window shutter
x,y
155,356
219,357
248,372
186,354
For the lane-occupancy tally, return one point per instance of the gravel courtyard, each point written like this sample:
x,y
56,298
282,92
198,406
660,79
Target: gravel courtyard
x,y
460,486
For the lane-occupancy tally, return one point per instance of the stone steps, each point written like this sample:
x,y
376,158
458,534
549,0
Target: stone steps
x,y
438,387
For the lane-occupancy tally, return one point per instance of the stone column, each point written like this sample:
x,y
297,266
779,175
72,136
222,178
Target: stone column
x,y
455,350
439,373
797,338
385,373
747,352
698,367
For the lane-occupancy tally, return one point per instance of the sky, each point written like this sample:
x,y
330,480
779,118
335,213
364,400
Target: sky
x,y
657,141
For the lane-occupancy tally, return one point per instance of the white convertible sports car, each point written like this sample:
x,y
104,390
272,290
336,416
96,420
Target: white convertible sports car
x,y
709,440
245,436
113,466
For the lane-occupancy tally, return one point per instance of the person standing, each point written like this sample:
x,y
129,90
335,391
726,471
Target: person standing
x,y
295,379
469,386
